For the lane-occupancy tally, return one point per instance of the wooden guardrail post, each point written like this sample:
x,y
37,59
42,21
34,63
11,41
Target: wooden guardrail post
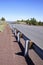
x,y
31,43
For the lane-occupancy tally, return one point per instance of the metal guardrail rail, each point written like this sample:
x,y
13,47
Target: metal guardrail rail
x,y
28,43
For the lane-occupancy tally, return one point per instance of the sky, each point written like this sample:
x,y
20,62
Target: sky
x,y
21,9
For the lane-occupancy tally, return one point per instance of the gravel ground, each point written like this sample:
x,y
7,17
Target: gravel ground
x,y
8,48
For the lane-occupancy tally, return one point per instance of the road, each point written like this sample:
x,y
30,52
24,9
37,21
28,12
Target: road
x,y
35,33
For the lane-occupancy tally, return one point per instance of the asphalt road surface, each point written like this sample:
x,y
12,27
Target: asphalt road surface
x,y
35,33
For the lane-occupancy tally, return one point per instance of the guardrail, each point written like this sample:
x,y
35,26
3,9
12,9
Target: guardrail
x,y
28,43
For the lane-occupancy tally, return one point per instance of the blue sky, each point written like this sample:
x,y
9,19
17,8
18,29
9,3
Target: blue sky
x,y
21,9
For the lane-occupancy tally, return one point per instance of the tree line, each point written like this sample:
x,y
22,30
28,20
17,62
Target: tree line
x,y
2,19
32,21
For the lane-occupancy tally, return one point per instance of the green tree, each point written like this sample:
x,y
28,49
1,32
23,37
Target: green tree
x,y
27,21
2,19
33,21
22,20
40,23
18,20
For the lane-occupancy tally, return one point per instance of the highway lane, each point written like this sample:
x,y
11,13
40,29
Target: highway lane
x,y
35,33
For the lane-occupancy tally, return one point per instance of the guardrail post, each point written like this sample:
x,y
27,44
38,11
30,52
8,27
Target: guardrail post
x,y
15,32
26,47
18,37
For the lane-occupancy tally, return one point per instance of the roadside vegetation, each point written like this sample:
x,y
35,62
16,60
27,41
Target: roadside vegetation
x,y
2,24
2,19
32,21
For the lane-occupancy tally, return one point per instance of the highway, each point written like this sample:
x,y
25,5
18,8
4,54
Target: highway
x,y
35,33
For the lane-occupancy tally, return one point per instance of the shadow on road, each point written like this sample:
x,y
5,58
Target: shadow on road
x,y
27,58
